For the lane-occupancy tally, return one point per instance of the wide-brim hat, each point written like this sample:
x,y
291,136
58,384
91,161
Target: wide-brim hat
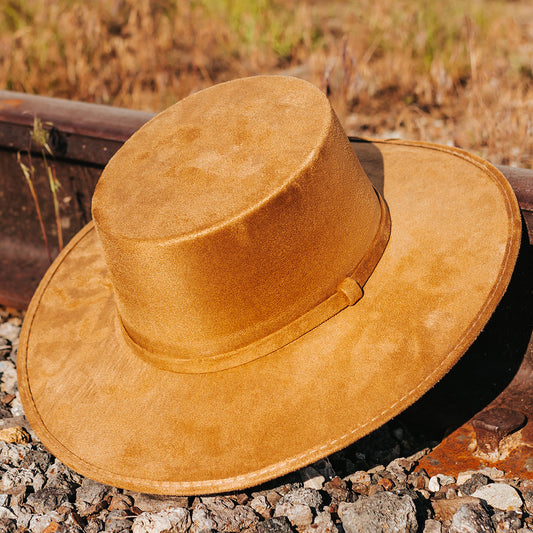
x,y
250,298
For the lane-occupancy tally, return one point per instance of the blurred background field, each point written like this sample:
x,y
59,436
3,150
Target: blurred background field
x,y
458,72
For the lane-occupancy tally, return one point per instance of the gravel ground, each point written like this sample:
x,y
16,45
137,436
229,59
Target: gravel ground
x,y
371,486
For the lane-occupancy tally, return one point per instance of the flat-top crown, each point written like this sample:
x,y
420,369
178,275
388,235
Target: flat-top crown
x,y
211,157
230,216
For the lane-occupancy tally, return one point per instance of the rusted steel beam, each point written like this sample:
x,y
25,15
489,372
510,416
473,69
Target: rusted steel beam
x,y
82,132
83,137
500,436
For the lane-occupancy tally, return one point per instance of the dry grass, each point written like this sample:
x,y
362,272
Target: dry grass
x,y
457,72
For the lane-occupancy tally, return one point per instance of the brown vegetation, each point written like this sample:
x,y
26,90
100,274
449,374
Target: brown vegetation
x,y
457,72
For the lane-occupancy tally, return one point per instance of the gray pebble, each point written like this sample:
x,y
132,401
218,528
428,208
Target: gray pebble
x,y
382,512
36,455
39,522
432,526
234,520
154,503
473,483
218,503
13,454
323,523
261,506
17,477
202,519
278,524
94,525
61,477
177,520
312,478
527,495
24,515
471,519
506,521
118,521
46,500
8,381
400,468
303,496
89,493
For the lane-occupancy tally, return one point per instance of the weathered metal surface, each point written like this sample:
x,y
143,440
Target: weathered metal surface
x,y
83,132
498,368
500,436
83,137
521,180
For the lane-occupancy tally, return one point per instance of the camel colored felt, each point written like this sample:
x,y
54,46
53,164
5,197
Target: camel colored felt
x,y
249,300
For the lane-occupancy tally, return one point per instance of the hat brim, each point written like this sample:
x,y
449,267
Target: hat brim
x,y
115,418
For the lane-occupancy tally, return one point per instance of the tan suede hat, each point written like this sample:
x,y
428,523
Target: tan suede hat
x,y
246,302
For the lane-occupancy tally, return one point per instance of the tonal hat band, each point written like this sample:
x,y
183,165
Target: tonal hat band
x,y
349,292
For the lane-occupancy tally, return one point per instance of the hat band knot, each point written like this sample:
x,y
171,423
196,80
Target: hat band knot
x,y
349,291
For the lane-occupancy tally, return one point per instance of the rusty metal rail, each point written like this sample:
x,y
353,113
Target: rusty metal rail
x,y
83,137
486,402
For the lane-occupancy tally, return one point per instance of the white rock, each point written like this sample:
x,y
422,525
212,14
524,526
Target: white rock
x,y
303,496
260,505
13,454
39,522
434,484
18,410
445,480
500,496
10,331
424,493
15,477
5,512
201,518
218,503
312,479
299,515
9,377
176,520
322,524
464,476
492,473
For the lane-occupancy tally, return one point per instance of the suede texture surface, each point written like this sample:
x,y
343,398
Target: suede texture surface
x,y
117,418
249,236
